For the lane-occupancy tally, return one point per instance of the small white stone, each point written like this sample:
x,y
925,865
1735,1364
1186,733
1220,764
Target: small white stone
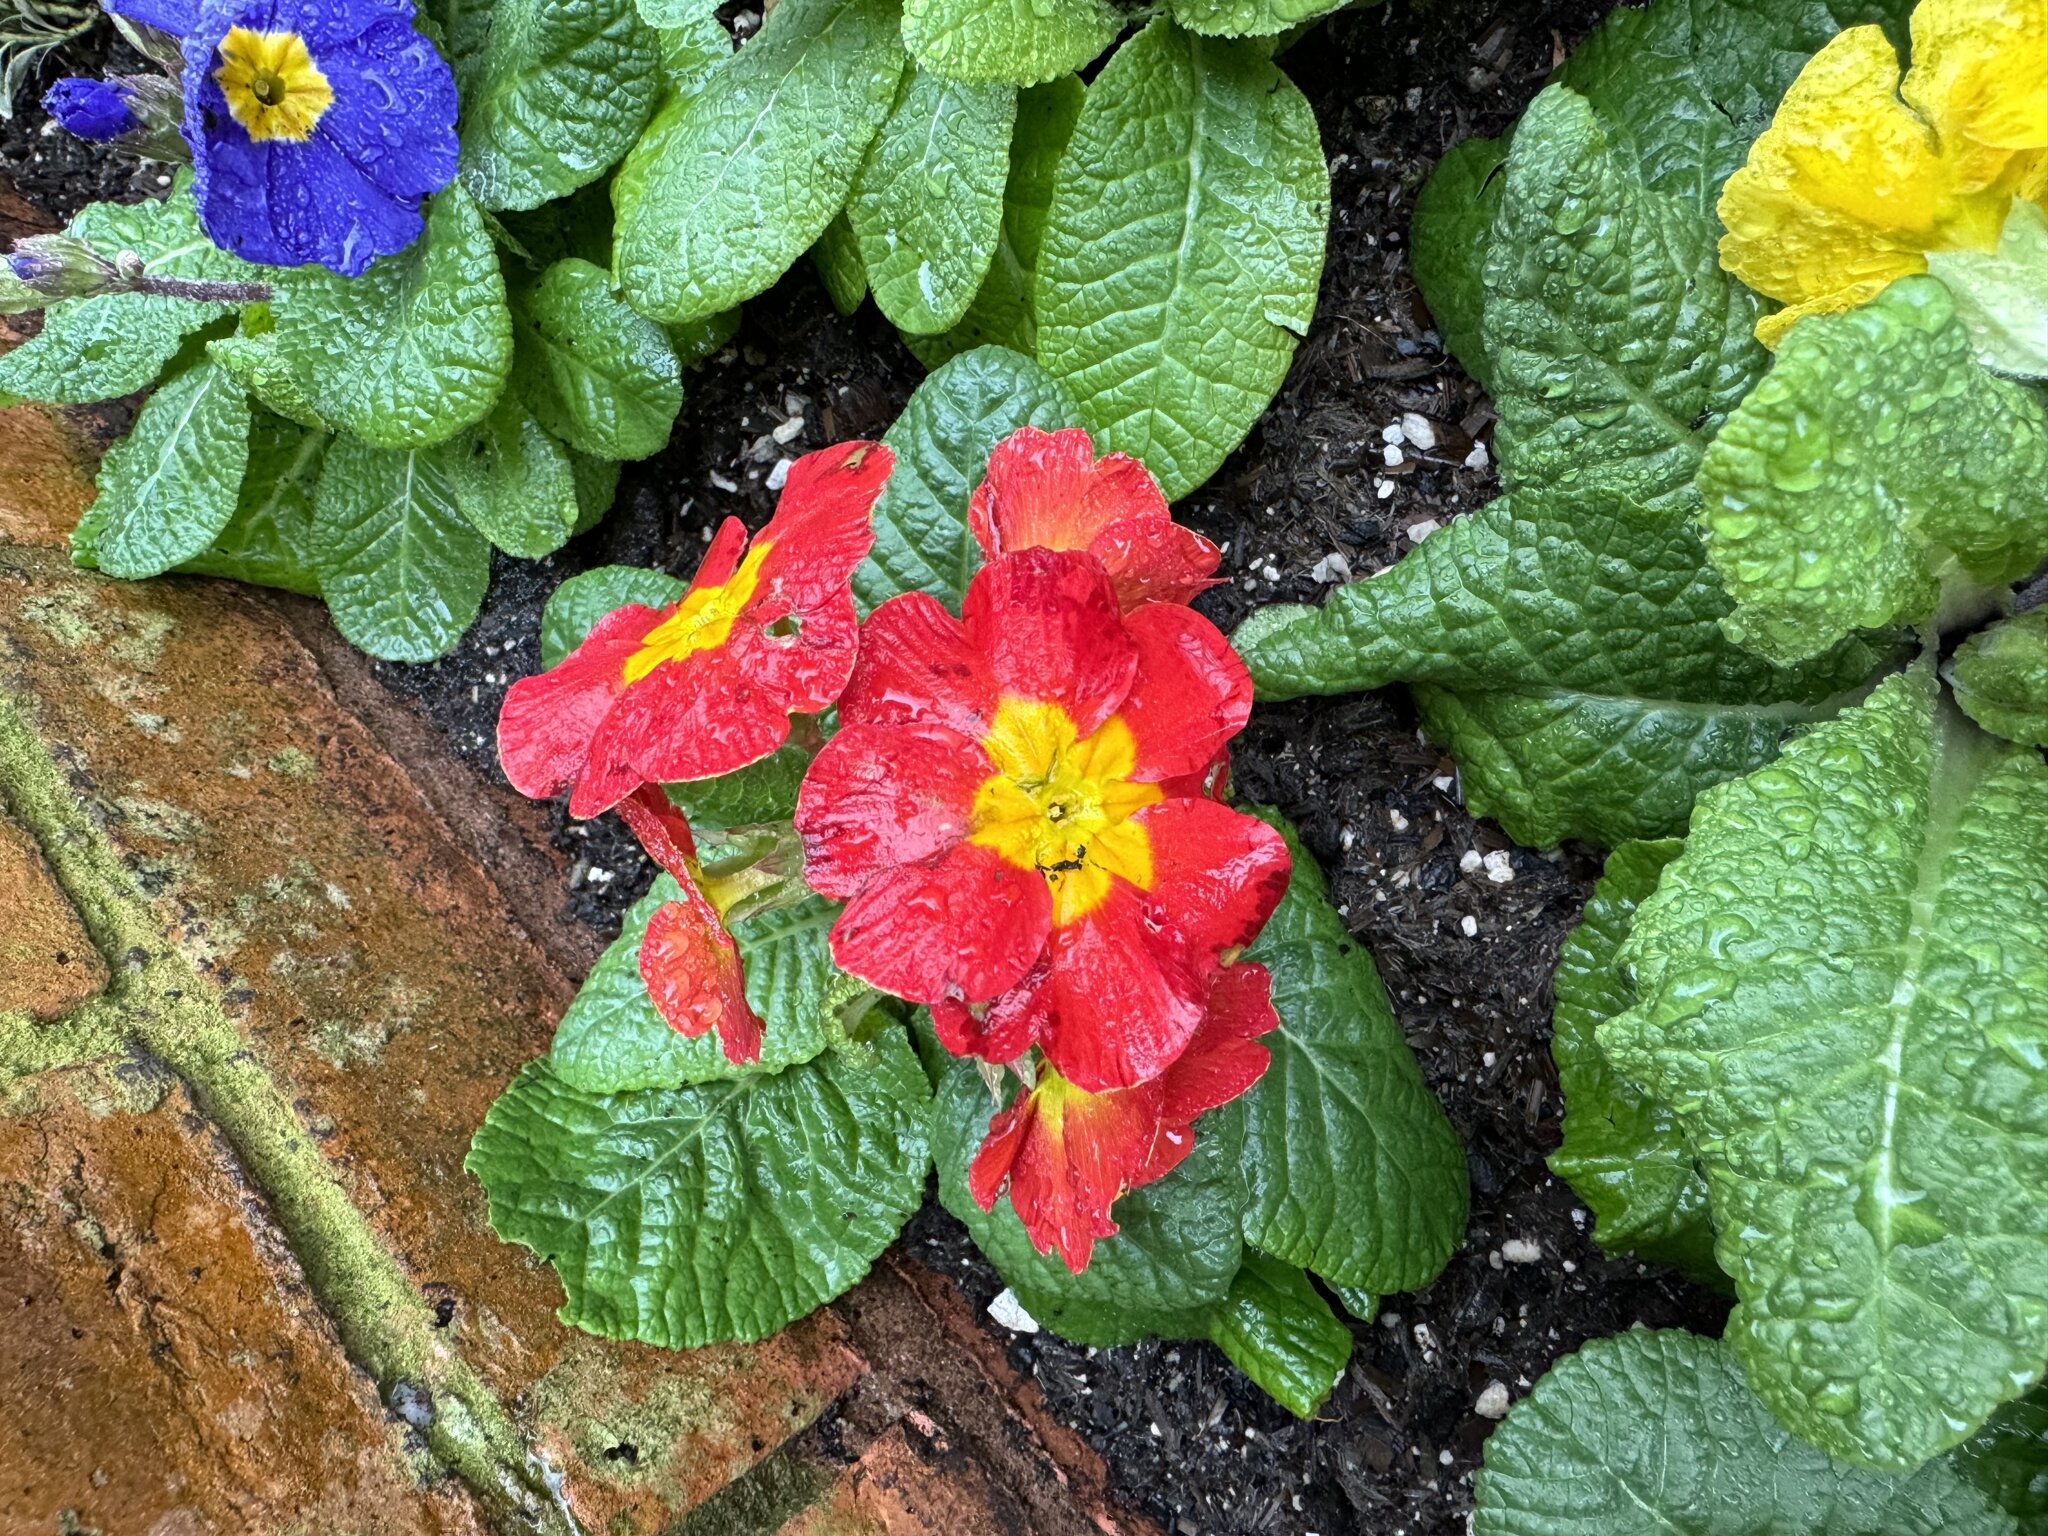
x,y
1487,1059
1469,926
1397,821
1417,532
778,477
1391,433
1500,866
1477,458
1007,1310
1519,1250
1493,1402
1417,429
1470,861
1332,567
1443,782
1384,489
1391,454
722,483
1444,1458
789,431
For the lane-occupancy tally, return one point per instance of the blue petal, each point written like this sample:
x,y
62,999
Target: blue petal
x,y
91,109
321,21
394,110
177,17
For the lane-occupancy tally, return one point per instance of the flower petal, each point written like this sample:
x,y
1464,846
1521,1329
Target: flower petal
x,y
721,556
394,107
548,720
875,798
1047,490
1224,1058
1006,1029
823,525
965,924
663,830
707,715
1049,624
915,665
1216,872
1980,76
1190,695
692,970
1128,992
1154,560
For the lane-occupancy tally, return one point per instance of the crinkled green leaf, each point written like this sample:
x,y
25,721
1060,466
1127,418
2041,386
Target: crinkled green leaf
x,y
928,201
578,603
691,48
402,572
261,369
942,442
613,1039
1360,1303
1616,342
761,791
1176,1251
837,259
1281,1333
1655,1434
1352,1170
1447,241
170,486
729,186
600,377
1876,472
1023,42
1569,653
728,1210
1842,991
2001,678
2001,296
99,348
1182,249
1249,18
557,93
2008,1459
1623,1152
669,14
415,349
513,482
597,484
269,540
1001,313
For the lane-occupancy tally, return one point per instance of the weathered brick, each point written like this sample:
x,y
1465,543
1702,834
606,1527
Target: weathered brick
x,y
47,963
162,1368
910,1483
45,474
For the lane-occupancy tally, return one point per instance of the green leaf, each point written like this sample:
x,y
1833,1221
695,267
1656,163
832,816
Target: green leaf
x,y
598,376
1351,1167
170,485
1623,1153
1843,993
101,348
928,202
1361,1304
1182,249
1176,1251
261,370
558,92
1568,651
837,259
1616,343
942,442
269,540
597,484
670,14
1249,18
691,48
402,572
1001,313
1278,1331
1877,472
415,349
731,185
574,607
613,1039
2001,296
2001,678
513,482
695,340
2008,1459
1654,1434
1023,42
1454,215
720,1211
761,791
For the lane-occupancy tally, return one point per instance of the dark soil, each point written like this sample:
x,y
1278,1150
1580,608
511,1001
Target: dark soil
x,y
54,171
1466,956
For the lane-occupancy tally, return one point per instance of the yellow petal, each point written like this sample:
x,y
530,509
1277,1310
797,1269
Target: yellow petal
x,y
1772,328
1980,77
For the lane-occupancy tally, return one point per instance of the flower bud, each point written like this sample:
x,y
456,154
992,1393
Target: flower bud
x,y
91,109
60,267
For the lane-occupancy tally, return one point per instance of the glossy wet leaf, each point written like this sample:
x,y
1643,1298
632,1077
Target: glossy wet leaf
x,y
1282,1334
1182,249
1022,42
720,1211
2001,678
1454,213
269,540
260,368
1655,1434
1842,991
1876,473
761,791
1568,651
2008,1459
170,486
578,603
513,482
837,259
600,377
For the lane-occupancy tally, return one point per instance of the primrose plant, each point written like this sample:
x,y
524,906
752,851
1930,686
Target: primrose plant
x,y
963,885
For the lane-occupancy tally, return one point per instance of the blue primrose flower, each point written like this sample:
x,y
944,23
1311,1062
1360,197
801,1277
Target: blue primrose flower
x,y
316,126
91,109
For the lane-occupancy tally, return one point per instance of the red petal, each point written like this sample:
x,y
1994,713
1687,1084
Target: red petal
x,y
998,1151
1048,622
547,722
806,667
1007,1028
1156,560
1075,1154
662,830
823,524
1045,490
1191,693
1224,1059
1128,993
965,924
692,971
877,797
916,666
1216,873
721,555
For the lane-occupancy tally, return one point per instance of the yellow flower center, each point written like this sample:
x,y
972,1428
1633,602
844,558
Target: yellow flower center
x,y
273,87
702,621
1060,804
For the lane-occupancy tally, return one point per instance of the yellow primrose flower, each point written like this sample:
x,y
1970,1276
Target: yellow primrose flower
x,y
1859,176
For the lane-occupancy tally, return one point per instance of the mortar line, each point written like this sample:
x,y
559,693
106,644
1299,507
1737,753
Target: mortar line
x,y
156,997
